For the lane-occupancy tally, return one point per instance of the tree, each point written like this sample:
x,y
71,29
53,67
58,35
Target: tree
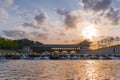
x,y
9,44
117,40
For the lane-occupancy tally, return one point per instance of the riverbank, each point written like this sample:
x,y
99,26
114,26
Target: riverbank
x,y
7,51
110,53
25,56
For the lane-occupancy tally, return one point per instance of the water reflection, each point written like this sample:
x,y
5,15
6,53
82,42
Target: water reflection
x,y
91,70
60,70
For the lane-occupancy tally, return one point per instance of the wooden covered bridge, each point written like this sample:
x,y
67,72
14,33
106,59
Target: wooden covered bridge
x,y
61,47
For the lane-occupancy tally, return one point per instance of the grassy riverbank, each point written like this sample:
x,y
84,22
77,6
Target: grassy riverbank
x,y
7,51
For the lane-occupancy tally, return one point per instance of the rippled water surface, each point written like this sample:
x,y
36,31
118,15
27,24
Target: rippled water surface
x,y
60,70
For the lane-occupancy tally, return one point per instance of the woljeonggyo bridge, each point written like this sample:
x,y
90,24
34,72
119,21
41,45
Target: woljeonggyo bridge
x,y
68,49
78,48
81,49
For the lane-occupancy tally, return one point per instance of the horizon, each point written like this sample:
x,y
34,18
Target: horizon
x,y
69,22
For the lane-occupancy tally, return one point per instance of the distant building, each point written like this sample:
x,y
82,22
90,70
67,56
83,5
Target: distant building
x,y
26,49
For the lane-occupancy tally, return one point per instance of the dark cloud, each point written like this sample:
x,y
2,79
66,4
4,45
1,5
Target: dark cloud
x,y
88,4
70,20
102,5
25,15
18,34
45,29
96,5
29,25
85,1
108,11
40,17
113,16
61,11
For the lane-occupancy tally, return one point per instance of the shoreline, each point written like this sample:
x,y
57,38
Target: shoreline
x,y
60,56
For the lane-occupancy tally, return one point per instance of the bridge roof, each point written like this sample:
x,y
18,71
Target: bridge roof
x,y
58,45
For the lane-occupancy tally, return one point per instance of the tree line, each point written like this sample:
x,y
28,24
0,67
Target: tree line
x,y
107,42
9,44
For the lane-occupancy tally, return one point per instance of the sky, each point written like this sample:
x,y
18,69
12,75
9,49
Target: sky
x,y
59,21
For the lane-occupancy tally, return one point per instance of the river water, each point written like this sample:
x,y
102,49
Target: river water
x,y
60,70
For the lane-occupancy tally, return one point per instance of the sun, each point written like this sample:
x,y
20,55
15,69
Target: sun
x,y
89,32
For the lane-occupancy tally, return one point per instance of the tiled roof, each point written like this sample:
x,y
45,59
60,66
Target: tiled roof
x,y
58,45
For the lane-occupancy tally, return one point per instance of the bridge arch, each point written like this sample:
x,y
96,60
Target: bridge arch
x,y
73,52
58,52
64,52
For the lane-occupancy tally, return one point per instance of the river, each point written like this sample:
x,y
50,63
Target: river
x,y
60,70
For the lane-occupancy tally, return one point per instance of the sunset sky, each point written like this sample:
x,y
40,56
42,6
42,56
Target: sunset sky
x,y
59,21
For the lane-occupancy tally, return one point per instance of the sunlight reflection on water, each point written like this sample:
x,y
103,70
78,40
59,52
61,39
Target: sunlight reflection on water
x,y
60,70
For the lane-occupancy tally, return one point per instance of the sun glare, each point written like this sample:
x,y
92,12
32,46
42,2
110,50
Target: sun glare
x,y
89,32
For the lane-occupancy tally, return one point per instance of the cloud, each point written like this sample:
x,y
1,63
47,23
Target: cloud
x,y
70,20
96,5
3,13
75,19
66,41
40,17
6,6
61,11
29,25
113,16
70,41
74,41
25,15
18,34
39,27
45,29
102,5
103,9
62,33
70,17
39,35
39,20
6,3
3,22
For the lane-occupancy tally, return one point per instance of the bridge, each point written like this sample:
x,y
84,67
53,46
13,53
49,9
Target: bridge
x,y
81,47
